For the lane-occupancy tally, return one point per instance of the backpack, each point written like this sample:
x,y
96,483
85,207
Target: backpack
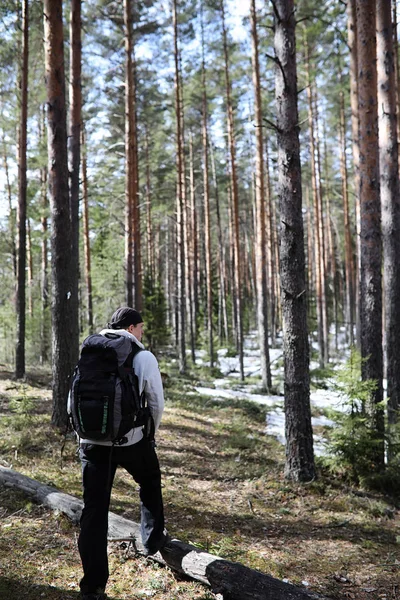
x,y
105,400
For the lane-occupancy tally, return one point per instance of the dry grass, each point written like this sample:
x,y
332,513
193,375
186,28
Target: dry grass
x,y
223,491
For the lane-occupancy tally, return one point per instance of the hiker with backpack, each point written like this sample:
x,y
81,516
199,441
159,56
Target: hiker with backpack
x,y
116,403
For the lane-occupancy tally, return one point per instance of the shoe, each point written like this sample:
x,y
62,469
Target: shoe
x,y
97,595
153,550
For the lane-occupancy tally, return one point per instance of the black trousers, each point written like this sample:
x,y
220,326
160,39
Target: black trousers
x,y
99,464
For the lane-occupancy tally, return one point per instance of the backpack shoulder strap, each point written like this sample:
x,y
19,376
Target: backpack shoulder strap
x,y
135,349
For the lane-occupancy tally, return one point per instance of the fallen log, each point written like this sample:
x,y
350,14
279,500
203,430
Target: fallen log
x,y
232,581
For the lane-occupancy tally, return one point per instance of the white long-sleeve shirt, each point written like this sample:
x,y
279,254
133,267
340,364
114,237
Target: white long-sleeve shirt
x,y
148,373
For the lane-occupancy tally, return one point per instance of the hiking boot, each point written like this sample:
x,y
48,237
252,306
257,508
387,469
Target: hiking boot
x,y
158,548
97,595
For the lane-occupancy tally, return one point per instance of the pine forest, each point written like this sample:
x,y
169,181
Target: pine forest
x,y
230,169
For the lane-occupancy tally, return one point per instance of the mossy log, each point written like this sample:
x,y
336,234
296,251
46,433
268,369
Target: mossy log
x,y
229,580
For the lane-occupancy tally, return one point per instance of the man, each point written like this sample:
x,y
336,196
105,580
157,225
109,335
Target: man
x,y
136,454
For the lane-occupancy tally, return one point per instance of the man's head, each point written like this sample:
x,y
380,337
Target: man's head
x,y
129,319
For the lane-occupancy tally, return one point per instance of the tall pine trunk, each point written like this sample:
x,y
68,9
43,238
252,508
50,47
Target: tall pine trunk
x,y
390,201
74,149
29,260
180,200
188,214
86,232
22,200
260,244
11,215
349,270
299,440
370,214
149,226
319,257
235,196
355,134
44,287
129,155
207,219
61,263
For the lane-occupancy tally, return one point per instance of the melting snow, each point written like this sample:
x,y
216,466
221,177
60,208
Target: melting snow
x,y
229,367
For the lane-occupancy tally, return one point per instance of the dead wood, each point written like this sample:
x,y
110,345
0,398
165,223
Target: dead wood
x,y
232,581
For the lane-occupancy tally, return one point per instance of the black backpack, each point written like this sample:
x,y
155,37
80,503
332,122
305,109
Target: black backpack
x,y
105,399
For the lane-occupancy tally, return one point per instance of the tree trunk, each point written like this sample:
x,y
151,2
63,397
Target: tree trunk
x,y
29,260
261,225
396,68
299,440
129,154
319,258
22,200
137,236
390,202
370,241
44,316
149,227
232,581
324,228
206,192
235,195
221,255
180,198
355,134
11,216
62,267
74,155
86,232
272,250
189,232
348,247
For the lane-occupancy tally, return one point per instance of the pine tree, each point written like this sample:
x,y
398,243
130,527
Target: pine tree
x,y
299,441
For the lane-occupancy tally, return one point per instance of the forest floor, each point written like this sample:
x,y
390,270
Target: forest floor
x,y
224,492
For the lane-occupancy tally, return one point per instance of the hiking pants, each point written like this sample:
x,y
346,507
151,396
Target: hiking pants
x,y
99,464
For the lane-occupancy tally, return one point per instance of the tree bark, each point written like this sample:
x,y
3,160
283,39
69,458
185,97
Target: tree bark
x,y
129,154
62,267
206,196
180,199
149,226
86,232
232,580
348,247
235,194
137,235
74,155
370,213
324,228
272,249
319,257
44,316
29,260
390,202
11,216
22,199
299,440
396,68
355,133
261,224
189,241
221,254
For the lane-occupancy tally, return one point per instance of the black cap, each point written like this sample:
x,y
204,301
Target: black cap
x,y
125,316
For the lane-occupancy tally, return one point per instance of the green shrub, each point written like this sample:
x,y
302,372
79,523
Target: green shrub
x,y
354,442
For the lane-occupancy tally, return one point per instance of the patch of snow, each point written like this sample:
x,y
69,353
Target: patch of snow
x,y
328,399
323,421
276,425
